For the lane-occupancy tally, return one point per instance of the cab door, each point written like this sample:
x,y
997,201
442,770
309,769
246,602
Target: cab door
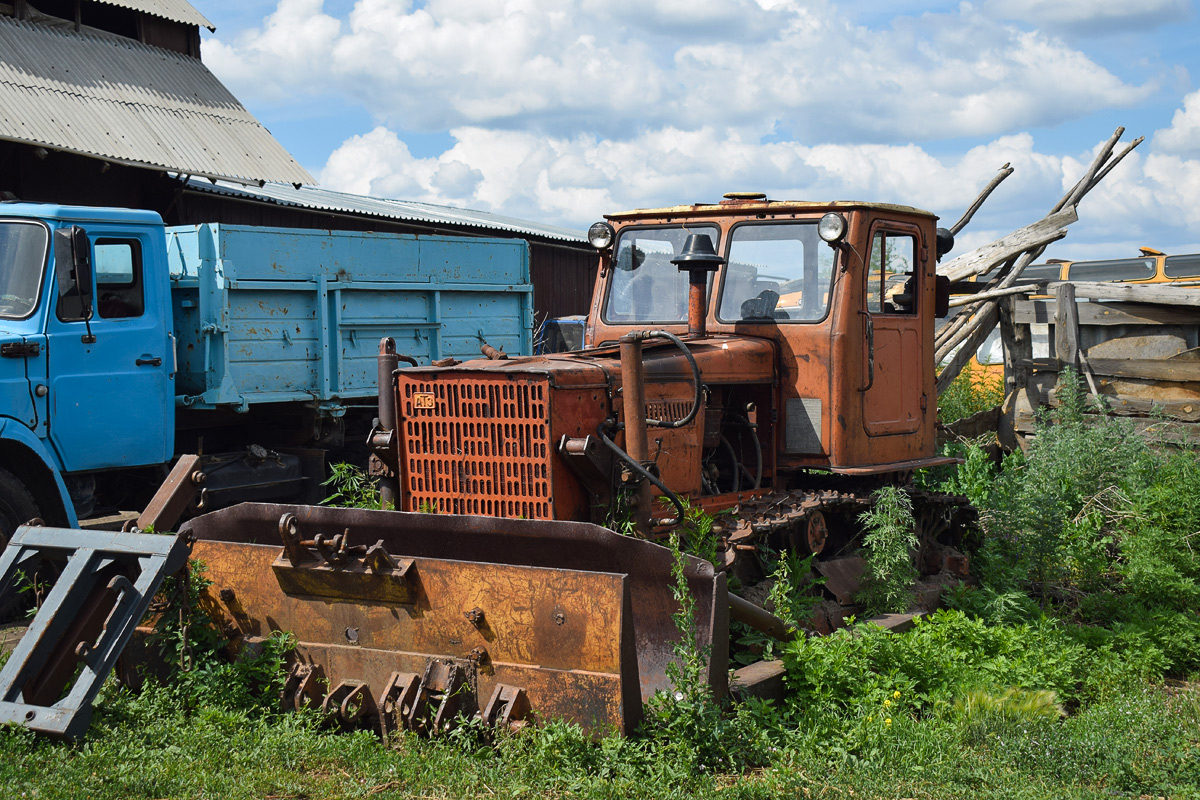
x,y
111,399
893,399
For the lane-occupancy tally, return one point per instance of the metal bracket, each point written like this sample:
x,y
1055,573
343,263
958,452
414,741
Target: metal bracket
x,y
350,704
508,708
396,703
443,692
173,497
104,591
329,566
304,687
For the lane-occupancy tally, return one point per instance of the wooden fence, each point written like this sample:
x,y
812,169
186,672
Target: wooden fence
x,y
1137,346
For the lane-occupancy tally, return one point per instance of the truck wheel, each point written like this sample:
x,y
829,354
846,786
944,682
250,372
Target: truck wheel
x,y
17,505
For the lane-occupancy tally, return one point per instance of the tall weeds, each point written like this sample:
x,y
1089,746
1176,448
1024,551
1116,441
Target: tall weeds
x,y
889,544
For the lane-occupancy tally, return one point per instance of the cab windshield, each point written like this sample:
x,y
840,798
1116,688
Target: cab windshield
x,y
645,285
22,259
777,272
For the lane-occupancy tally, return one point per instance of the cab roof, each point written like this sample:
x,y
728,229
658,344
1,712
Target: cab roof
x,y
750,203
64,213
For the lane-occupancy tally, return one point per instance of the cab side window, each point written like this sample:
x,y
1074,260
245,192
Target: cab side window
x,y
118,265
892,274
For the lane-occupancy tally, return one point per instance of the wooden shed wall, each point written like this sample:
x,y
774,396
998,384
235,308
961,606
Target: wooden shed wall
x,y
562,273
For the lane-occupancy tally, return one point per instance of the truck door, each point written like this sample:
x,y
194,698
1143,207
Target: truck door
x,y
892,401
111,388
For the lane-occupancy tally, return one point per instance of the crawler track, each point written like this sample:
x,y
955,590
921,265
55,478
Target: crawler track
x,y
826,524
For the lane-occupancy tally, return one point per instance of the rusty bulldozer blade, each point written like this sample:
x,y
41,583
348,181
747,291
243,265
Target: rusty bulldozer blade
x,y
437,617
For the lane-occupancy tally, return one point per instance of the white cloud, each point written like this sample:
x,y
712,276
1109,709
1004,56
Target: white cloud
x,y
1092,16
1182,138
573,181
613,67
278,57
562,110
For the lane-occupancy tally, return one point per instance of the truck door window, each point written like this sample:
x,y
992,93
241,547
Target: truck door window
x,y
1122,269
778,272
891,274
645,286
118,264
1187,266
22,259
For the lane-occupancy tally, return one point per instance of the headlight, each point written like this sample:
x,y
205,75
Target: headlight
x,y
601,235
832,227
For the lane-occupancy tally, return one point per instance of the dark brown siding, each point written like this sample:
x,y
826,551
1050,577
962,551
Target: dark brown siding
x,y
562,280
562,273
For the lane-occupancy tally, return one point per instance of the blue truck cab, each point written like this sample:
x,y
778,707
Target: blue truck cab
x,y
86,376
122,340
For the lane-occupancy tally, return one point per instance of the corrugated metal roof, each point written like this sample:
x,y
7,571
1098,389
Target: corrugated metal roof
x,y
132,104
406,210
174,10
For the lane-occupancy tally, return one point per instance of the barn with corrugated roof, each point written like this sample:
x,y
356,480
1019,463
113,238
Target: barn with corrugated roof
x,y
107,102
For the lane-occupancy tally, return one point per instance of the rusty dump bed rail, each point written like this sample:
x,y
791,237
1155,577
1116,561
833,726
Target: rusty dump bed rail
x,y
417,617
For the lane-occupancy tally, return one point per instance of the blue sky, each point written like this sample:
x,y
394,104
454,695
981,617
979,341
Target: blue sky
x,y
562,111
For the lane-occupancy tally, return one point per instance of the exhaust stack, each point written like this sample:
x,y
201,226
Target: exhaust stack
x,y
698,258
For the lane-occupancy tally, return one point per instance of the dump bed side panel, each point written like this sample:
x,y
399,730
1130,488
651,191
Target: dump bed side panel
x,y
271,314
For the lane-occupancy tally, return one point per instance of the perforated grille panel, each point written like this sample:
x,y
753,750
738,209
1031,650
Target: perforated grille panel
x,y
477,445
669,410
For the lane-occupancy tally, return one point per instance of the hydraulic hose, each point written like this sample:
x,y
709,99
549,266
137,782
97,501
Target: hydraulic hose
x,y
640,470
697,399
737,465
757,446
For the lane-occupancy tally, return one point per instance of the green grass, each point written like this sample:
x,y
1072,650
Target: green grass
x,y
1141,742
1066,672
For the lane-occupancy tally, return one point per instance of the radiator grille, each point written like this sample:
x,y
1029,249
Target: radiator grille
x,y
668,410
478,445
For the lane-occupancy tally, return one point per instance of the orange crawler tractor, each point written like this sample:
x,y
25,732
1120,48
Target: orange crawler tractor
x,y
773,357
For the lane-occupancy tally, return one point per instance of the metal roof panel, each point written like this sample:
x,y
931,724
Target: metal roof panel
x,y
407,210
130,103
174,10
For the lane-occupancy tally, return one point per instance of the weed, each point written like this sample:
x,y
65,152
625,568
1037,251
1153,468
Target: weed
x,y
1012,703
198,671
889,545
698,535
975,389
791,596
620,516
352,488
688,721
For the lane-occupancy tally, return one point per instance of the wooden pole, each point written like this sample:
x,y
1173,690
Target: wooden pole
x,y
1066,326
1028,288
1004,172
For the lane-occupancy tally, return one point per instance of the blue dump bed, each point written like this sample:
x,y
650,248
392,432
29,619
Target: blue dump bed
x,y
267,315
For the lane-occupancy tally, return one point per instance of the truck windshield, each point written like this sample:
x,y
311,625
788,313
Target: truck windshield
x,y
645,285
22,260
777,272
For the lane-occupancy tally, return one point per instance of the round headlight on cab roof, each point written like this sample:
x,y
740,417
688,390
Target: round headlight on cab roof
x,y
601,235
832,227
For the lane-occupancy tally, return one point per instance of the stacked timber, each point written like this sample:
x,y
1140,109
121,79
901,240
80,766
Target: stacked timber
x,y
1006,259
1137,346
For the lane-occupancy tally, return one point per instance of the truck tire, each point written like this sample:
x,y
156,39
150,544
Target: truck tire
x,y
17,506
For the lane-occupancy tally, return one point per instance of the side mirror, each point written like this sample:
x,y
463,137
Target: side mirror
x,y
941,297
73,272
945,242
82,265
